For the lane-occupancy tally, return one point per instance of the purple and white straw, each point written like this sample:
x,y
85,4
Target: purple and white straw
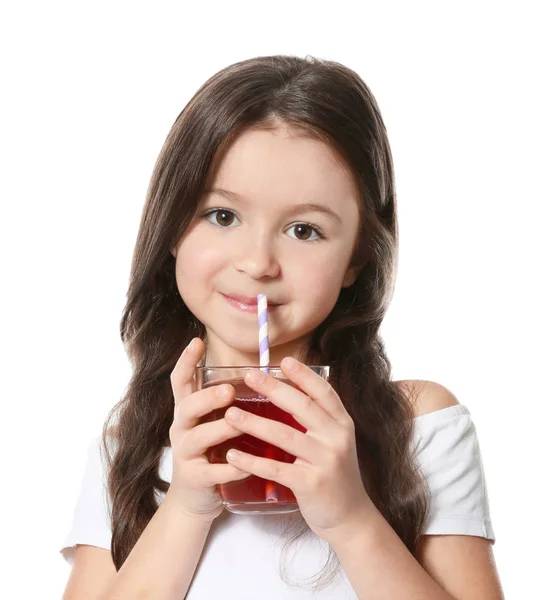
x,y
263,340
264,352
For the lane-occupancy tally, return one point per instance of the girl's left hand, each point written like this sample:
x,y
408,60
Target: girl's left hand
x,y
325,476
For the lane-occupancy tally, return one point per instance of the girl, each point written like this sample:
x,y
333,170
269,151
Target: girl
x,y
277,178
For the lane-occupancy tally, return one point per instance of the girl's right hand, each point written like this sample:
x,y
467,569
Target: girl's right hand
x,y
194,479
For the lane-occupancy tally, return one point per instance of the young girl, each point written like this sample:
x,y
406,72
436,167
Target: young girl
x,y
277,178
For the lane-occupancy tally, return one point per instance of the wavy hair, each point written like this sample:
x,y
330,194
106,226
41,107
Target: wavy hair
x,y
326,101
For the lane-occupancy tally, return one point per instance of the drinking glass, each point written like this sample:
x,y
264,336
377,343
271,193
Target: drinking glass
x,y
253,495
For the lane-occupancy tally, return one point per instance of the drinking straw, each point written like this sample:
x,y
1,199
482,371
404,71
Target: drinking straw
x,y
264,352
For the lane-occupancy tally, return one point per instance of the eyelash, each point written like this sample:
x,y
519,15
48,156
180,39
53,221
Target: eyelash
x,y
227,210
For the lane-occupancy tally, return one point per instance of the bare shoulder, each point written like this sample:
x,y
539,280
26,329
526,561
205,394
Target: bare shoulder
x,y
446,558
427,396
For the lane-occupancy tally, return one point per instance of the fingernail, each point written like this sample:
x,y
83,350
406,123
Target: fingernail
x,y
233,454
191,345
222,390
234,414
254,376
290,363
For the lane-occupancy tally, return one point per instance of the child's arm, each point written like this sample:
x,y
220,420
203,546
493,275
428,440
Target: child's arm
x,y
378,565
447,565
162,563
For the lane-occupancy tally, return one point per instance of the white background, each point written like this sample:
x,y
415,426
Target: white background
x,y
90,90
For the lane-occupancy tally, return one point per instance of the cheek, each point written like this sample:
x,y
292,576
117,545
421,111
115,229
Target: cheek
x,y
196,263
318,285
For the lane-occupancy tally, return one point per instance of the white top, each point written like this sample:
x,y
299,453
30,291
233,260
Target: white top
x,y
241,557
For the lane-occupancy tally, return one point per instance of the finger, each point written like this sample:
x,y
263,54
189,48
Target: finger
x,y
199,404
304,409
182,377
222,473
204,436
317,388
284,473
293,441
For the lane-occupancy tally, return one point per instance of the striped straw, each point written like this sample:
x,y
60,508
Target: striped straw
x,y
263,340
264,352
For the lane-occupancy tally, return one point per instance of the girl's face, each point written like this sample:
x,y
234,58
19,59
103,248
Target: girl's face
x,y
281,219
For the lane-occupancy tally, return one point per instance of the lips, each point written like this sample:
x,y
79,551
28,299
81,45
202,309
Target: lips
x,y
247,299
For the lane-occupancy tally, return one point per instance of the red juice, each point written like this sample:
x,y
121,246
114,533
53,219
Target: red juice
x,y
253,494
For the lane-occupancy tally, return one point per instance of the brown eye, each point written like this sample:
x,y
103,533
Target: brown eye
x,y
224,217
303,232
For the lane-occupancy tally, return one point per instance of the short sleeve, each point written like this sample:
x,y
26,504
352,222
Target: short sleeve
x,y
448,451
91,522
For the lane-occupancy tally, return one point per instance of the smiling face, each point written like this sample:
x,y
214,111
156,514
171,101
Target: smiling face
x,y
263,239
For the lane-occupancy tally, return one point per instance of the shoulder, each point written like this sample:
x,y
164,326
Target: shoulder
x,y
427,396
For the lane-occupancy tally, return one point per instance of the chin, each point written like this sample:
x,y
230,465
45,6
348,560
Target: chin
x,y
241,342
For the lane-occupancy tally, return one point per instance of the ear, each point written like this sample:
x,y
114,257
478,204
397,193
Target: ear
x,y
351,275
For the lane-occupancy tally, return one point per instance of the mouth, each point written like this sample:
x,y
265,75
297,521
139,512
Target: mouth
x,y
245,303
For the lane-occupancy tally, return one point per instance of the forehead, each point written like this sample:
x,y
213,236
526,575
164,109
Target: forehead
x,y
279,165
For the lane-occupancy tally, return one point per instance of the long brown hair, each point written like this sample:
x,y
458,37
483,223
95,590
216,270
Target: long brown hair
x,y
328,101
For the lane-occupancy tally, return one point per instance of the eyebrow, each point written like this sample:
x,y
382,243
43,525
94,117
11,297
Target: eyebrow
x,y
308,207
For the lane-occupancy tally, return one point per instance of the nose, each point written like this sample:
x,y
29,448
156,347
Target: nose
x,y
257,258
